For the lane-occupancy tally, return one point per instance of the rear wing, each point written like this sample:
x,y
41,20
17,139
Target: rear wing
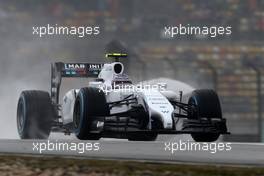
x,y
61,70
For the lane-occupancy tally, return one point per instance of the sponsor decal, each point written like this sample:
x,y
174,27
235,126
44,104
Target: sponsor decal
x,y
95,67
75,69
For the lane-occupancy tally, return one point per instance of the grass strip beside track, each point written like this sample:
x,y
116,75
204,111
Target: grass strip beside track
x,y
26,165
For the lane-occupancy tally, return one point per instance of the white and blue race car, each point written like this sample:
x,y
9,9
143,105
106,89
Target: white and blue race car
x,y
111,106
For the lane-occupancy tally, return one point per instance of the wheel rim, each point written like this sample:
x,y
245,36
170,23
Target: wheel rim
x,y
20,115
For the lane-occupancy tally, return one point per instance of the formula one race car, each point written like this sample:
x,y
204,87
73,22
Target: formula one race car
x,y
111,106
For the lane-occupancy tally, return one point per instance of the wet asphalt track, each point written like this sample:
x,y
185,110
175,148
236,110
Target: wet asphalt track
x,y
240,154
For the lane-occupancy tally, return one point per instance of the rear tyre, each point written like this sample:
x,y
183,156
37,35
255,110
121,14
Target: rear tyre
x,y
90,103
35,115
208,106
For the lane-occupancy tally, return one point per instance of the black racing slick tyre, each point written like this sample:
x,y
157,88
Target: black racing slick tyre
x,y
35,115
207,103
207,106
205,137
89,104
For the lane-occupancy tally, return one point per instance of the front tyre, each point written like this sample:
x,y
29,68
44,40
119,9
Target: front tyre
x,y
207,106
207,103
35,115
205,137
89,104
